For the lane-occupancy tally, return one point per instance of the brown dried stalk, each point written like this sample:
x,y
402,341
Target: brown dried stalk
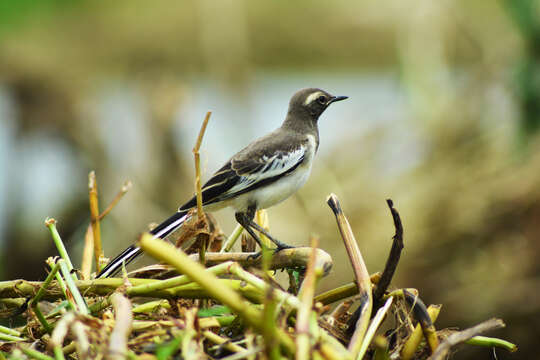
x,y
393,258
118,346
465,335
360,272
196,154
86,263
94,217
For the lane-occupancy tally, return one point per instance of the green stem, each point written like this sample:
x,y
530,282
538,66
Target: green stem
x,y
5,337
39,295
51,224
258,283
175,281
50,261
492,342
231,240
150,306
104,287
58,353
339,293
45,285
303,318
9,331
41,318
35,354
79,300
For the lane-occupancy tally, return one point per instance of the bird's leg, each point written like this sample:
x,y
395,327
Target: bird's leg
x,y
249,215
280,245
243,220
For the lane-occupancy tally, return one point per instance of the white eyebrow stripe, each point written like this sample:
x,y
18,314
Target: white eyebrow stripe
x,y
312,97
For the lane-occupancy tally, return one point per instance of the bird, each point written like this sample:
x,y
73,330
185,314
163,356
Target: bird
x,y
264,173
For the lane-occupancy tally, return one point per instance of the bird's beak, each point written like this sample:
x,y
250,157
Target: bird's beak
x,y
337,98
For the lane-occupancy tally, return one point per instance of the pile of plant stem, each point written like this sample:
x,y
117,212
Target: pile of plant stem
x,y
208,302
231,308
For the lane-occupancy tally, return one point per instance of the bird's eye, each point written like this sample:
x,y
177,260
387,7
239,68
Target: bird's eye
x,y
321,99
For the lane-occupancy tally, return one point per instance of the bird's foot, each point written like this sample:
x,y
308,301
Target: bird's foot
x,y
283,246
254,256
275,250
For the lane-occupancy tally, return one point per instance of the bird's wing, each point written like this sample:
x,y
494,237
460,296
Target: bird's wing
x,y
266,168
247,171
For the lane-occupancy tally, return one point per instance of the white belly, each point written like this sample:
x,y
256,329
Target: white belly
x,y
274,193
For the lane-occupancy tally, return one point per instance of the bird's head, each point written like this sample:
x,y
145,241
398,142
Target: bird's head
x,y
311,102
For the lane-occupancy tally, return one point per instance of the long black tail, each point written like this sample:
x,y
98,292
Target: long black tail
x,y
132,252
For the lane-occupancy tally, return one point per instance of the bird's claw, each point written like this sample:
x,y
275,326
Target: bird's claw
x,y
257,255
283,247
254,256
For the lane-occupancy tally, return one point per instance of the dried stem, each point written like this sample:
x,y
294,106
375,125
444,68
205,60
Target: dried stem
x,y
88,253
393,258
201,223
261,217
465,335
122,328
119,195
286,258
94,217
196,154
360,272
390,267
226,343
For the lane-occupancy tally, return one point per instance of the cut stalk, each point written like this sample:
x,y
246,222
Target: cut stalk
x,y
94,218
360,272
51,224
304,312
196,154
492,342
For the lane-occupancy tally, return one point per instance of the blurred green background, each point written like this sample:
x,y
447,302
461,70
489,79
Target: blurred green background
x,y
443,118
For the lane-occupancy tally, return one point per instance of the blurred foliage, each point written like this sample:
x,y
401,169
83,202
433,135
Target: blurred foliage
x,y
525,14
467,73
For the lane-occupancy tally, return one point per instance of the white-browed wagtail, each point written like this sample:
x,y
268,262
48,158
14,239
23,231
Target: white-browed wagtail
x,y
264,173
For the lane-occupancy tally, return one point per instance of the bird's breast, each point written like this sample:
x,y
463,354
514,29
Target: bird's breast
x,y
282,188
